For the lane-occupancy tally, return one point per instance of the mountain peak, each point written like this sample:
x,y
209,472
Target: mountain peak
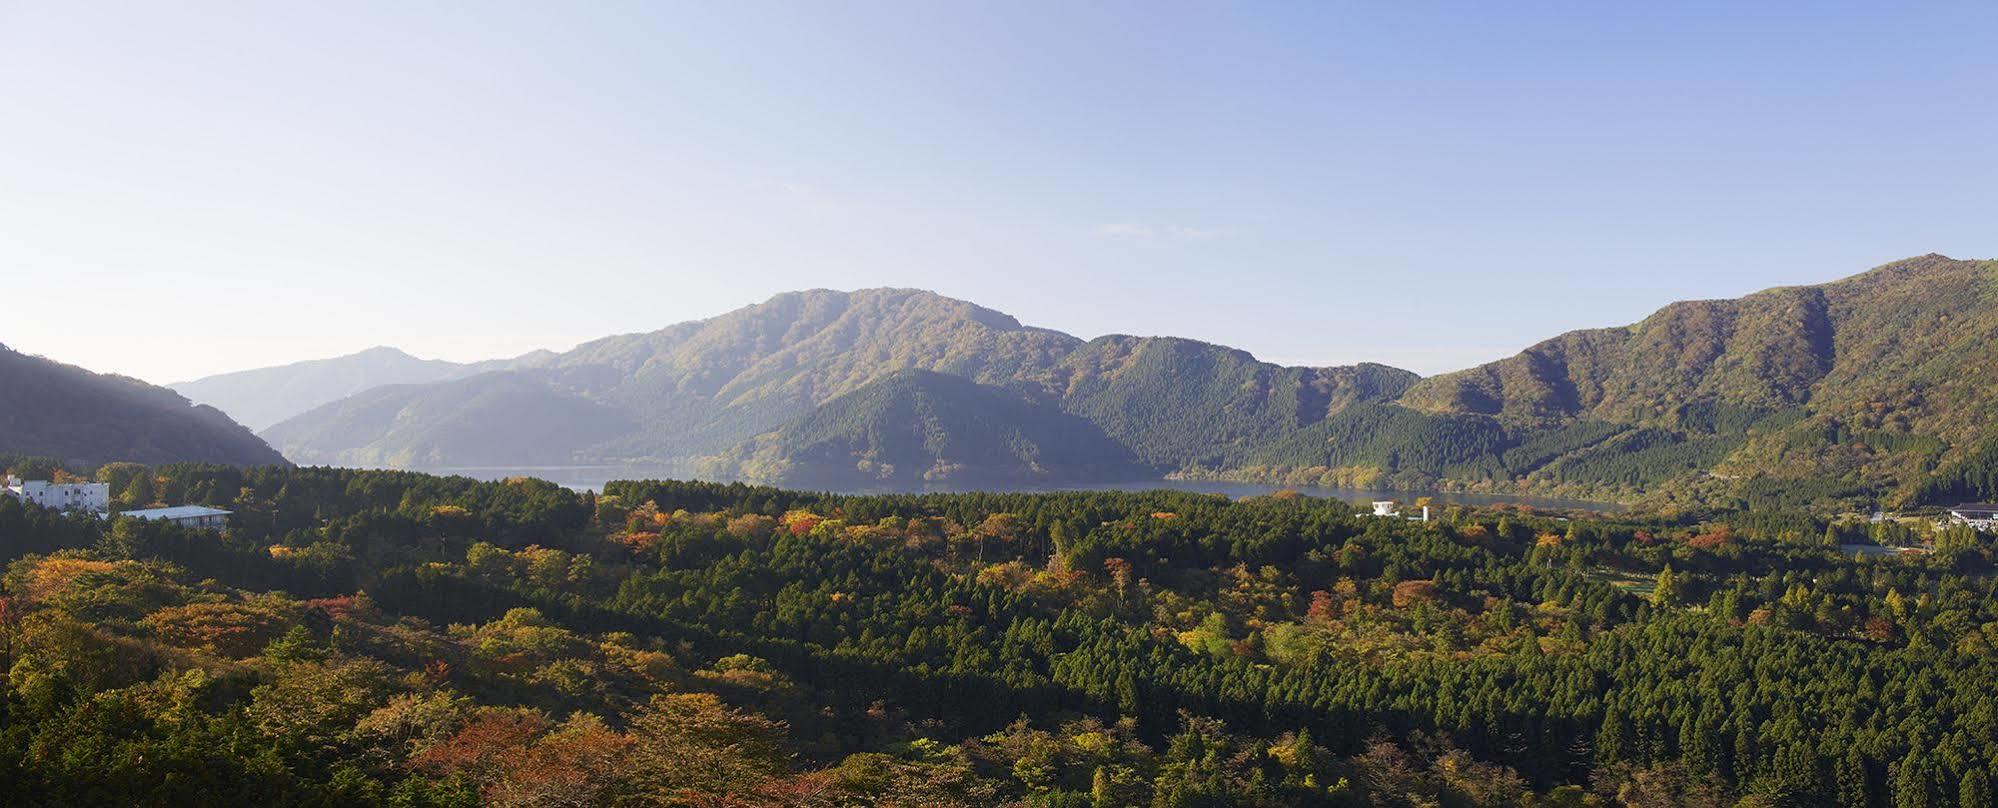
x,y
910,298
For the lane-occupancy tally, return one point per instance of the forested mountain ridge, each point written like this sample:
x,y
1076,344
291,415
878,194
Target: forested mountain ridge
x,y
703,388
918,426
65,412
1857,387
1182,403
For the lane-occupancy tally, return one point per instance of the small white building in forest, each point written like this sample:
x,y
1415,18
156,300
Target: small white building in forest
x,y
90,497
1388,507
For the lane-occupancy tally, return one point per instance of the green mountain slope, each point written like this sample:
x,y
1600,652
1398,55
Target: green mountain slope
x,y
1854,389
86,419
919,426
1181,403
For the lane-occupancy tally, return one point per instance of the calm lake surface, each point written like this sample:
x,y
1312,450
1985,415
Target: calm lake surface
x,y
592,478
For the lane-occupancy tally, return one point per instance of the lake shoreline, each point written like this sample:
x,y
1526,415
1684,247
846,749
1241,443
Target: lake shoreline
x,y
593,478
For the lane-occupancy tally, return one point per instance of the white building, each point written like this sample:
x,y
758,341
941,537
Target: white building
x,y
1979,515
92,497
194,516
1386,507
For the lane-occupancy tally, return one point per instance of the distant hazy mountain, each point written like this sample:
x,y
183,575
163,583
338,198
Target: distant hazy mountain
x,y
86,419
492,419
264,396
701,389
918,426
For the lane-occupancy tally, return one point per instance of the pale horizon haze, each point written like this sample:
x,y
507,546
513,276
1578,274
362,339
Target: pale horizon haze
x,y
196,188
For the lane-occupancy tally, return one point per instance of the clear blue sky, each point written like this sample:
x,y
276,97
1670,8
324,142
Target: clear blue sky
x,y
187,188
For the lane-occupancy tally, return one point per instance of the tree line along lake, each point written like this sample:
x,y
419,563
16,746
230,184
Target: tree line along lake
x,y
593,478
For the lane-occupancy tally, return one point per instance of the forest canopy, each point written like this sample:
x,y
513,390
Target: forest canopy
x,y
393,638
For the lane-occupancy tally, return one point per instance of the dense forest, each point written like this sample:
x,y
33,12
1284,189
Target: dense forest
x,y
393,638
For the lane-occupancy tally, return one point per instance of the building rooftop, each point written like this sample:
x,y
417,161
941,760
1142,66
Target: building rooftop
x,y
177,512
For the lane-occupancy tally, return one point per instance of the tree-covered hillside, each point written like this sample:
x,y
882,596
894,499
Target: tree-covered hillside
x,y
388,638
1872,389
62,411
916,427
1184,404
1855,389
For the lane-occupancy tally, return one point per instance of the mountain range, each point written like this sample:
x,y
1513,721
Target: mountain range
x,y
84,419
262,397
1868,386
1863,388
706,389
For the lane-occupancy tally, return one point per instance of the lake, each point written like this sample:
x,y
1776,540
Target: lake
x,y
592,478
